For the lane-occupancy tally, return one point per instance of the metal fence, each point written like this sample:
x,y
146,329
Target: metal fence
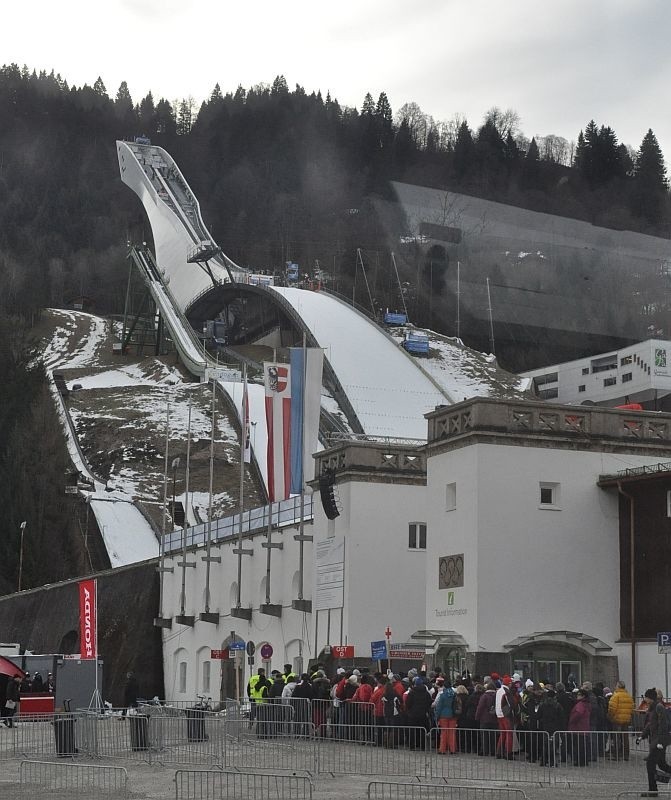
x,y
275,742
380,790
204,785
597,757
71,780
397,751
288,746
491,755
44,735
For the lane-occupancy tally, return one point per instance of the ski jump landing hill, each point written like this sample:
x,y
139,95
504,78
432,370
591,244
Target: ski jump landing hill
x,y
381,388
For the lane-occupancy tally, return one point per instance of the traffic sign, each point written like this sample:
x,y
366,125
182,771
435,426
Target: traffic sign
x,y
378,650
342,650
238,644
664,642
250,661
251,648
266,651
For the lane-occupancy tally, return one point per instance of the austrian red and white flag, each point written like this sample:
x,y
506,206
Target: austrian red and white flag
x,y
277,382
88,636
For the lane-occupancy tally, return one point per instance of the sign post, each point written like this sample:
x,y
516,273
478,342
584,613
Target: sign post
x,y
664,646
378,651
387,634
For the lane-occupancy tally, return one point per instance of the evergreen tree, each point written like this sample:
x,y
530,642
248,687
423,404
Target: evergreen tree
x,y
99,87
464,152
368,105
650,193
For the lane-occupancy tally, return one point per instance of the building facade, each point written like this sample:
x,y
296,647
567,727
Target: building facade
x,y
498,544
640,373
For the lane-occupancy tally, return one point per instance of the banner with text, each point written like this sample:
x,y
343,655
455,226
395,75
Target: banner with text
x,y
88,638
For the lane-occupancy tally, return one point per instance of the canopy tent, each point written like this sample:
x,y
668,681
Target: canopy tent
x,y
9,668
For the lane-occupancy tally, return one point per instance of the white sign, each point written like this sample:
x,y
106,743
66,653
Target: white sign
x,y
222,374
329,574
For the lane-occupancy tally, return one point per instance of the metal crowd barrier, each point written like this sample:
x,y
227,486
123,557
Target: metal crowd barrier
x,y
598,757
284,746
44,735
490,755
381,790
65,781
397,751
204,785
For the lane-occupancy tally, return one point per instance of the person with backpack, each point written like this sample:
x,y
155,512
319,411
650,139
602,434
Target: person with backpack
x,y
656,731
391,703
485,715
444,707
418,710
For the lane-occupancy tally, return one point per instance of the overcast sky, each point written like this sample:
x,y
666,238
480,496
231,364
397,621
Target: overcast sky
x,y
558,64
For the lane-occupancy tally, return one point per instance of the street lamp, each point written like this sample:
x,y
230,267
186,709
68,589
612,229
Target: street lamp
x,y
23,527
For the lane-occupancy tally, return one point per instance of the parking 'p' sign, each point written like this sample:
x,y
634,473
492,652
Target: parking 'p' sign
x,y
664,642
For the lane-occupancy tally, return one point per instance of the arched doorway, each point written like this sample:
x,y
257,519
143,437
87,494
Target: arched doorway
x,y
566,656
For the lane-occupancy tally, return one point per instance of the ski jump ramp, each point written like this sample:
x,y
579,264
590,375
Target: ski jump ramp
x,y
387,389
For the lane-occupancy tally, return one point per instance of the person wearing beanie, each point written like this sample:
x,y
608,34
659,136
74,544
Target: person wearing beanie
x,y
418,708
485,715
620,712
656,731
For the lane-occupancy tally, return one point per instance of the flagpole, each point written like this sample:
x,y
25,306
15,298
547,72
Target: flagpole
x,y
165,512
209,515
98,698
185,530
301,523
242,482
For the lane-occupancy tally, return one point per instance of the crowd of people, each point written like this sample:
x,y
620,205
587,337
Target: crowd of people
x,y
504,717
18,686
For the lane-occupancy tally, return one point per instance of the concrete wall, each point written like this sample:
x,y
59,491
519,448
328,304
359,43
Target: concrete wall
x,y
46,620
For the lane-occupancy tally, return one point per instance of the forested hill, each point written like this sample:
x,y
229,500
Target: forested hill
x,y
280,175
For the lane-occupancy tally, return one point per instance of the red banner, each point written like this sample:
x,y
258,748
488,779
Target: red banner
x,y
87,619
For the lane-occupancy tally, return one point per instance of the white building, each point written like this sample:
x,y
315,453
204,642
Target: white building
x,y
503,543
640,373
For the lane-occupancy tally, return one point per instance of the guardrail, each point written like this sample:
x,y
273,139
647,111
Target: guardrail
x,y
382,790
204,785
54,780
286,512
275,740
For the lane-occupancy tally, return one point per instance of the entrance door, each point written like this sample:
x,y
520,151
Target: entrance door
x,y
570,674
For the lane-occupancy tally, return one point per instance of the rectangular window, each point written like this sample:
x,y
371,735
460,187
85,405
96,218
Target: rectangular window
x,y
548,394
450,497
549,377
609,381
182,677
206,677
581,388
417,535
626,360
549,495
585,370
626,377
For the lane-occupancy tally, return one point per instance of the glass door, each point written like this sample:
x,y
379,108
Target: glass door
x,y
570,674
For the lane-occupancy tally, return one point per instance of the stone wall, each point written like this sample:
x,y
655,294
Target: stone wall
x,y
46,620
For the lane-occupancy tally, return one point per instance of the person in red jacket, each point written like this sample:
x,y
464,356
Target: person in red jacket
x,y
377,699
362,708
